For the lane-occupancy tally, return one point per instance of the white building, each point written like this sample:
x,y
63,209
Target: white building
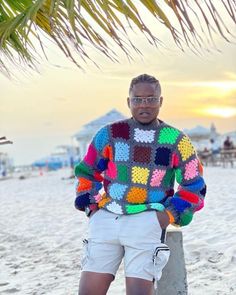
x,y
85,135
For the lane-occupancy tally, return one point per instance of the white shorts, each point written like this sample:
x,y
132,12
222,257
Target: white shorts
x,y
137,238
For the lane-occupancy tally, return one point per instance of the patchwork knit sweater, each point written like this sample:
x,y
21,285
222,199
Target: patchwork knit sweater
x,y
137,165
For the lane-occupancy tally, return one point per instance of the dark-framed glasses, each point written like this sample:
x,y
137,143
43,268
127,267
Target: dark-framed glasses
x,y
150,100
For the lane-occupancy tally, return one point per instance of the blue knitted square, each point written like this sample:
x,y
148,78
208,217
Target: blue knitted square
x,y
116,190
162,156
155,196
101,139
179,204
82,201
121,151
102,164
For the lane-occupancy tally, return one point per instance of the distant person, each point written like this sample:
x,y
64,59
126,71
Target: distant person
x,y
228,143
136,161
215,148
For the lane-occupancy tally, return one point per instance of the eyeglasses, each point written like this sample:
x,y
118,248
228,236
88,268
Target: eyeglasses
x,y
151,100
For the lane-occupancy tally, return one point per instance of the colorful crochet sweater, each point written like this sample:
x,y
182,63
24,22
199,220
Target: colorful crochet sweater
x,y
137,166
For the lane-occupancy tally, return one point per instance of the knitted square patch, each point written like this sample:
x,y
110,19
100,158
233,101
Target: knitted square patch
x,y
132,209
178,174
122,173
157,177
101,139
115,208
162,156
169,178
140,175
168,135
142,154
84,184
108,153
120,130
117,190
137,195
104,201
91,155
191,169
121,151
111,170
185,148
146,136
175,160
155,196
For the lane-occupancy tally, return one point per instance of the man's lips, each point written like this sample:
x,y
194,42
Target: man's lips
x,y
144,113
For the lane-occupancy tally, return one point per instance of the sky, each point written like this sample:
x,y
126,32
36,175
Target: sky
x,y
42,110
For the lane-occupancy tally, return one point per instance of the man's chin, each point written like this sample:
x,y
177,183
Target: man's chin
x,y
145,121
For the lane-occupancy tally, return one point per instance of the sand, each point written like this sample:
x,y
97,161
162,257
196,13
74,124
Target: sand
x,y
41,237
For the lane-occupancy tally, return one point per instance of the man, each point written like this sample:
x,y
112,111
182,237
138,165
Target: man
x,y
137,161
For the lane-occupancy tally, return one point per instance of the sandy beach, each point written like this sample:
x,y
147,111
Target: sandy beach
x,y
41,237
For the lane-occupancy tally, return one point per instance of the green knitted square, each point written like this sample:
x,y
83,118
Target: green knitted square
x,y
132,209
169,177
82,168
122,173
178,175
168,135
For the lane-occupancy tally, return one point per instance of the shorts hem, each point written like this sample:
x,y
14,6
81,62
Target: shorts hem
x,y
98,271
139,276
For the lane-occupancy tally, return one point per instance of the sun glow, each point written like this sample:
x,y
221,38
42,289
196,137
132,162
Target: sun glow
x,y
224,112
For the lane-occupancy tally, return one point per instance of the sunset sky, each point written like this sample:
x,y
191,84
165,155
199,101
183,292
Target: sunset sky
x,y
41,111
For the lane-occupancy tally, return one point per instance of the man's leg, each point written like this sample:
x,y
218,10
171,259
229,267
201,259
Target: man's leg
x,y
93,283
136,286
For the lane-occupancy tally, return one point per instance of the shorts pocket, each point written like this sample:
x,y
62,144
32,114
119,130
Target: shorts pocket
x,y
160,258
85,253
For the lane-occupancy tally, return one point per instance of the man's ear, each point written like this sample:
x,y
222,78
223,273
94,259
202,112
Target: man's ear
x,y
161,100
128,102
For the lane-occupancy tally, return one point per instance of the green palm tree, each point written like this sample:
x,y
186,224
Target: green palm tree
x,y
73,24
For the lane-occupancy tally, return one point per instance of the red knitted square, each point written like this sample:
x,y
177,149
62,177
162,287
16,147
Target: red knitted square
x,y
142,154
120,130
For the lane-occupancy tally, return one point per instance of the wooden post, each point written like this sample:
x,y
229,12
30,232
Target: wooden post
x,y
174,276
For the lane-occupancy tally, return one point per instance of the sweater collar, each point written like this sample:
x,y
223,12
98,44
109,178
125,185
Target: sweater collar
x,y
153,125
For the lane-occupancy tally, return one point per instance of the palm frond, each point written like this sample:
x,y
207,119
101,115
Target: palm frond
x,y
72,24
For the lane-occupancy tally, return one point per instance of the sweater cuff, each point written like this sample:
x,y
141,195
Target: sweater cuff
x,y
173,214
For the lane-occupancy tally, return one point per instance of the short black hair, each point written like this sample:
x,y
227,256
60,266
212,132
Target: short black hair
x,y
144,78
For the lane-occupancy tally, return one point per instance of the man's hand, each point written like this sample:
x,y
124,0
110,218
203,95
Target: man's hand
x,y
163,218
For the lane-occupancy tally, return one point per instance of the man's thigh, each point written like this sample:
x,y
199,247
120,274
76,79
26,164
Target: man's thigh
x,y
136,286
92,283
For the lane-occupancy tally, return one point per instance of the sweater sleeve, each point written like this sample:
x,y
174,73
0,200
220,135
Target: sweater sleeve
x,y
191,191
88,172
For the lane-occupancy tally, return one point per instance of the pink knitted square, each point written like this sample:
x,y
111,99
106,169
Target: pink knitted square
x,y
157,177
191,169
111,170
91,155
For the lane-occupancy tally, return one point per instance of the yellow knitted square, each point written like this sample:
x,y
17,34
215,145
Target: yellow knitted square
x,y
137,195
140,175
185,148
104,200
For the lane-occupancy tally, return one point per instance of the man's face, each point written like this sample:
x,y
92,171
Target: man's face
x,y
144,112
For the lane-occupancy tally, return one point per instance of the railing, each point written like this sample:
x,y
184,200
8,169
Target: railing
x,y
222,158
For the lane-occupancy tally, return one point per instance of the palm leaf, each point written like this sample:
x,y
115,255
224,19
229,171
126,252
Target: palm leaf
x,y
74,24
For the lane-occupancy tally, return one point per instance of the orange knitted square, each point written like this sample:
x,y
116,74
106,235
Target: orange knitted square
x,y
137,195
107,152
84,184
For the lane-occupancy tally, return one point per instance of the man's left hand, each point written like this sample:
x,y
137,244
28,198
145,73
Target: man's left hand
x,y
163,218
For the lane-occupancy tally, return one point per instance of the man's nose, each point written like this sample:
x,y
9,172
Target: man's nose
x,y
144,102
